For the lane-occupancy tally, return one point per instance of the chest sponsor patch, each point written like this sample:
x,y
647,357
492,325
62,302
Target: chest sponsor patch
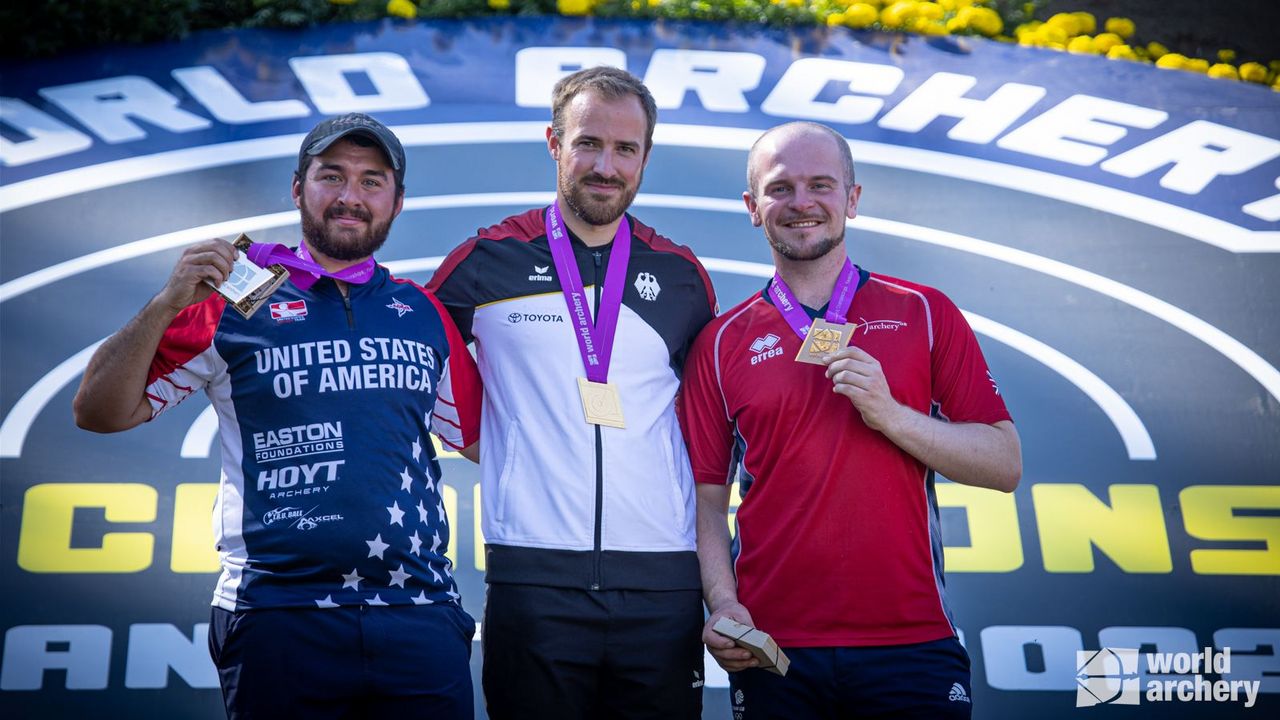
x,y
289,311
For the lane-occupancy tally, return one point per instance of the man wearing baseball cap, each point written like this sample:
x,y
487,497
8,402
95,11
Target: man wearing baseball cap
x,y
336,598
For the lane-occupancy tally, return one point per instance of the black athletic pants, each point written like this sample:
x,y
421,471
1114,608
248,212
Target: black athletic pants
x,y
565,653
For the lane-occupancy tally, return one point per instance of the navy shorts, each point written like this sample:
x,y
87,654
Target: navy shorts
x,y
908,682
348,662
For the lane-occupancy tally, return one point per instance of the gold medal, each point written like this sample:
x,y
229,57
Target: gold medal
x,y
824,338
601,404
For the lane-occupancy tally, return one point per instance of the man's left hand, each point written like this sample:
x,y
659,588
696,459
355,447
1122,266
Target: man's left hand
x,y
858,376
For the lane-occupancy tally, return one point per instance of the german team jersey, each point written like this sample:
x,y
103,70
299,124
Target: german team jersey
x,y
330,493
567,503
838,542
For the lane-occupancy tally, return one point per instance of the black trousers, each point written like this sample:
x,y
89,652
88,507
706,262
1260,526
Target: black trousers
x,y
565,653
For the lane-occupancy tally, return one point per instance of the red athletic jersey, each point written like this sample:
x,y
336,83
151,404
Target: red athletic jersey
x,y
838,542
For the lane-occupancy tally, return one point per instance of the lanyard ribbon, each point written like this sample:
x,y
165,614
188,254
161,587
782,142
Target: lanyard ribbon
x,y
595,339
304,270
837,310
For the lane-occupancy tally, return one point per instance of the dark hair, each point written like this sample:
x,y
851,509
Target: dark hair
x,y
612,84
846,156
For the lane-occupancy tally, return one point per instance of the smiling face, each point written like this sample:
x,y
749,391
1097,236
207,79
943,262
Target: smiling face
x,y
800,192
348,199
600,155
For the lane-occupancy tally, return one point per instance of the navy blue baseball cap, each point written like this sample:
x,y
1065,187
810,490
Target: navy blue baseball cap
x,y
330,131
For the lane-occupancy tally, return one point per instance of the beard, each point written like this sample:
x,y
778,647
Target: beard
x,y
802,254
334,245
590,210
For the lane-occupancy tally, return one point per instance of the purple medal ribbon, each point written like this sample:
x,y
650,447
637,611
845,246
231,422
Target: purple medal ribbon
x,y
595,339
837,309
305,271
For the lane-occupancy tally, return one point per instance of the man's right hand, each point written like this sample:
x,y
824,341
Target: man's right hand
x,y
209,260
727,653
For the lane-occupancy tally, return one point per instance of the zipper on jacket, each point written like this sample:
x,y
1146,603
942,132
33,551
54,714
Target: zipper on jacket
x,y
346,303
598,552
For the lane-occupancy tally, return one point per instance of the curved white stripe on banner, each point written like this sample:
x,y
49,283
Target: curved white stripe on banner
x,y
1235,351
1137,441
198,442
137,248
13,432
1173,218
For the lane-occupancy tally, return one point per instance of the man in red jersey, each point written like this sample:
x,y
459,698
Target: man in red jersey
x,y
834,395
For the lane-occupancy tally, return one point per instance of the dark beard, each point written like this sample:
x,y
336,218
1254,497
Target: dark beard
x,y
595,212
817,251
319,240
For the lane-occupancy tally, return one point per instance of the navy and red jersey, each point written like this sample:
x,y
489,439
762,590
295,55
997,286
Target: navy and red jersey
x,y
330,493
838,542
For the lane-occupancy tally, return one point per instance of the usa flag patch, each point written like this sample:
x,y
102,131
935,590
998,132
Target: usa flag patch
x,y
290,311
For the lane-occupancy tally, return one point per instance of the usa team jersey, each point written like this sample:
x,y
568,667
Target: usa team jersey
x,y
838,542
330,493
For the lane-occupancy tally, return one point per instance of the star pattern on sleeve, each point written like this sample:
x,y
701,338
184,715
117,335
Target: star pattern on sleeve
x,y
415,544
406,481
352,580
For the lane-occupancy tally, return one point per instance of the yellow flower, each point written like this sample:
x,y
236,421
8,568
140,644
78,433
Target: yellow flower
x,y
505,4
402,8
835,19
1086,21
1051,35
1224,70
1067,22
1199,65
984,20
1156,50
573,7
1105,41
860,15
929,27
1171,61
1226,56
929,11
1081,45
1121,52
1120,26
1253,72
1274,65
896,15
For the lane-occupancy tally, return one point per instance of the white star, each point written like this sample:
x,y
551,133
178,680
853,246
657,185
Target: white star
x,y
327,602
435,541
417,449
352,581
422,514
397,515
376,547
415,543
435,574
406,480
440,510
453,595
421,598
399,576
447,571
431,487
375,600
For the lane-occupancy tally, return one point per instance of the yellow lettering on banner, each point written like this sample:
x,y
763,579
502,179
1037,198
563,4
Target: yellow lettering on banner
x,y
48,514
1130,531
450,497
1208,512
477,537
995,544
193,546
